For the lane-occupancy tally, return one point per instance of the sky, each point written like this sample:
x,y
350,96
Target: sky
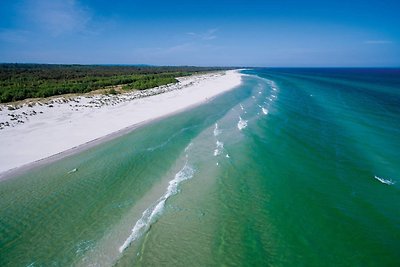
x,y
285,33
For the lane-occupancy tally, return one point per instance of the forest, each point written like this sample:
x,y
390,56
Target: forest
x,y
22,81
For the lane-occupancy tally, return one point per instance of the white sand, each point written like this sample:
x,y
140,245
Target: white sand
x,y
27,135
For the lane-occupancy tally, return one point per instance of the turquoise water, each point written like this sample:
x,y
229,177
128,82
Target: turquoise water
x,y
295,167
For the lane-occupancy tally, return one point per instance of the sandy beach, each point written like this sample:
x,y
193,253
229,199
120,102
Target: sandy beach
x,y
41,129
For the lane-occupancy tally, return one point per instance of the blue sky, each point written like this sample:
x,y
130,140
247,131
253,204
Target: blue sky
x,y
237,33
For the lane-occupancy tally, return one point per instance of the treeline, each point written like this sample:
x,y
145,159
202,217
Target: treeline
x,y
152,80
21,81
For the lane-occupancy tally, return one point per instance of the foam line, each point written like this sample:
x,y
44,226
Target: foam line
x,y
150,215
241,124
385,181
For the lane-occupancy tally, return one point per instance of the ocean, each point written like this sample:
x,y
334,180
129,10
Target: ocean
x,y
294,167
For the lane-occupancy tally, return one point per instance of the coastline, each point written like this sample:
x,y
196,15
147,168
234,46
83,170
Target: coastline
x,y
37,141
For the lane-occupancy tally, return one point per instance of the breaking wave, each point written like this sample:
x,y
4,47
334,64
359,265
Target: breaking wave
x,y
217,131
264,110
219,148
241,124
151,214
385,181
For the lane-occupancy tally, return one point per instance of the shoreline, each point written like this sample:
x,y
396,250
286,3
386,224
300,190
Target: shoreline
x,y
187,91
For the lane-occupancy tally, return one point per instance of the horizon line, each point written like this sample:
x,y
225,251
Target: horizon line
x,y
200,66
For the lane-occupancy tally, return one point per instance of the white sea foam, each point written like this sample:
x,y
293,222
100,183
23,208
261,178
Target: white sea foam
x,y
188,147
217,131
385,181
242,123
73,170
273,85
150,215
265,111
219,148
241,106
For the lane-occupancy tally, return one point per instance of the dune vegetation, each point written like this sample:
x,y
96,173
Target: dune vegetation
x,y
22,81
